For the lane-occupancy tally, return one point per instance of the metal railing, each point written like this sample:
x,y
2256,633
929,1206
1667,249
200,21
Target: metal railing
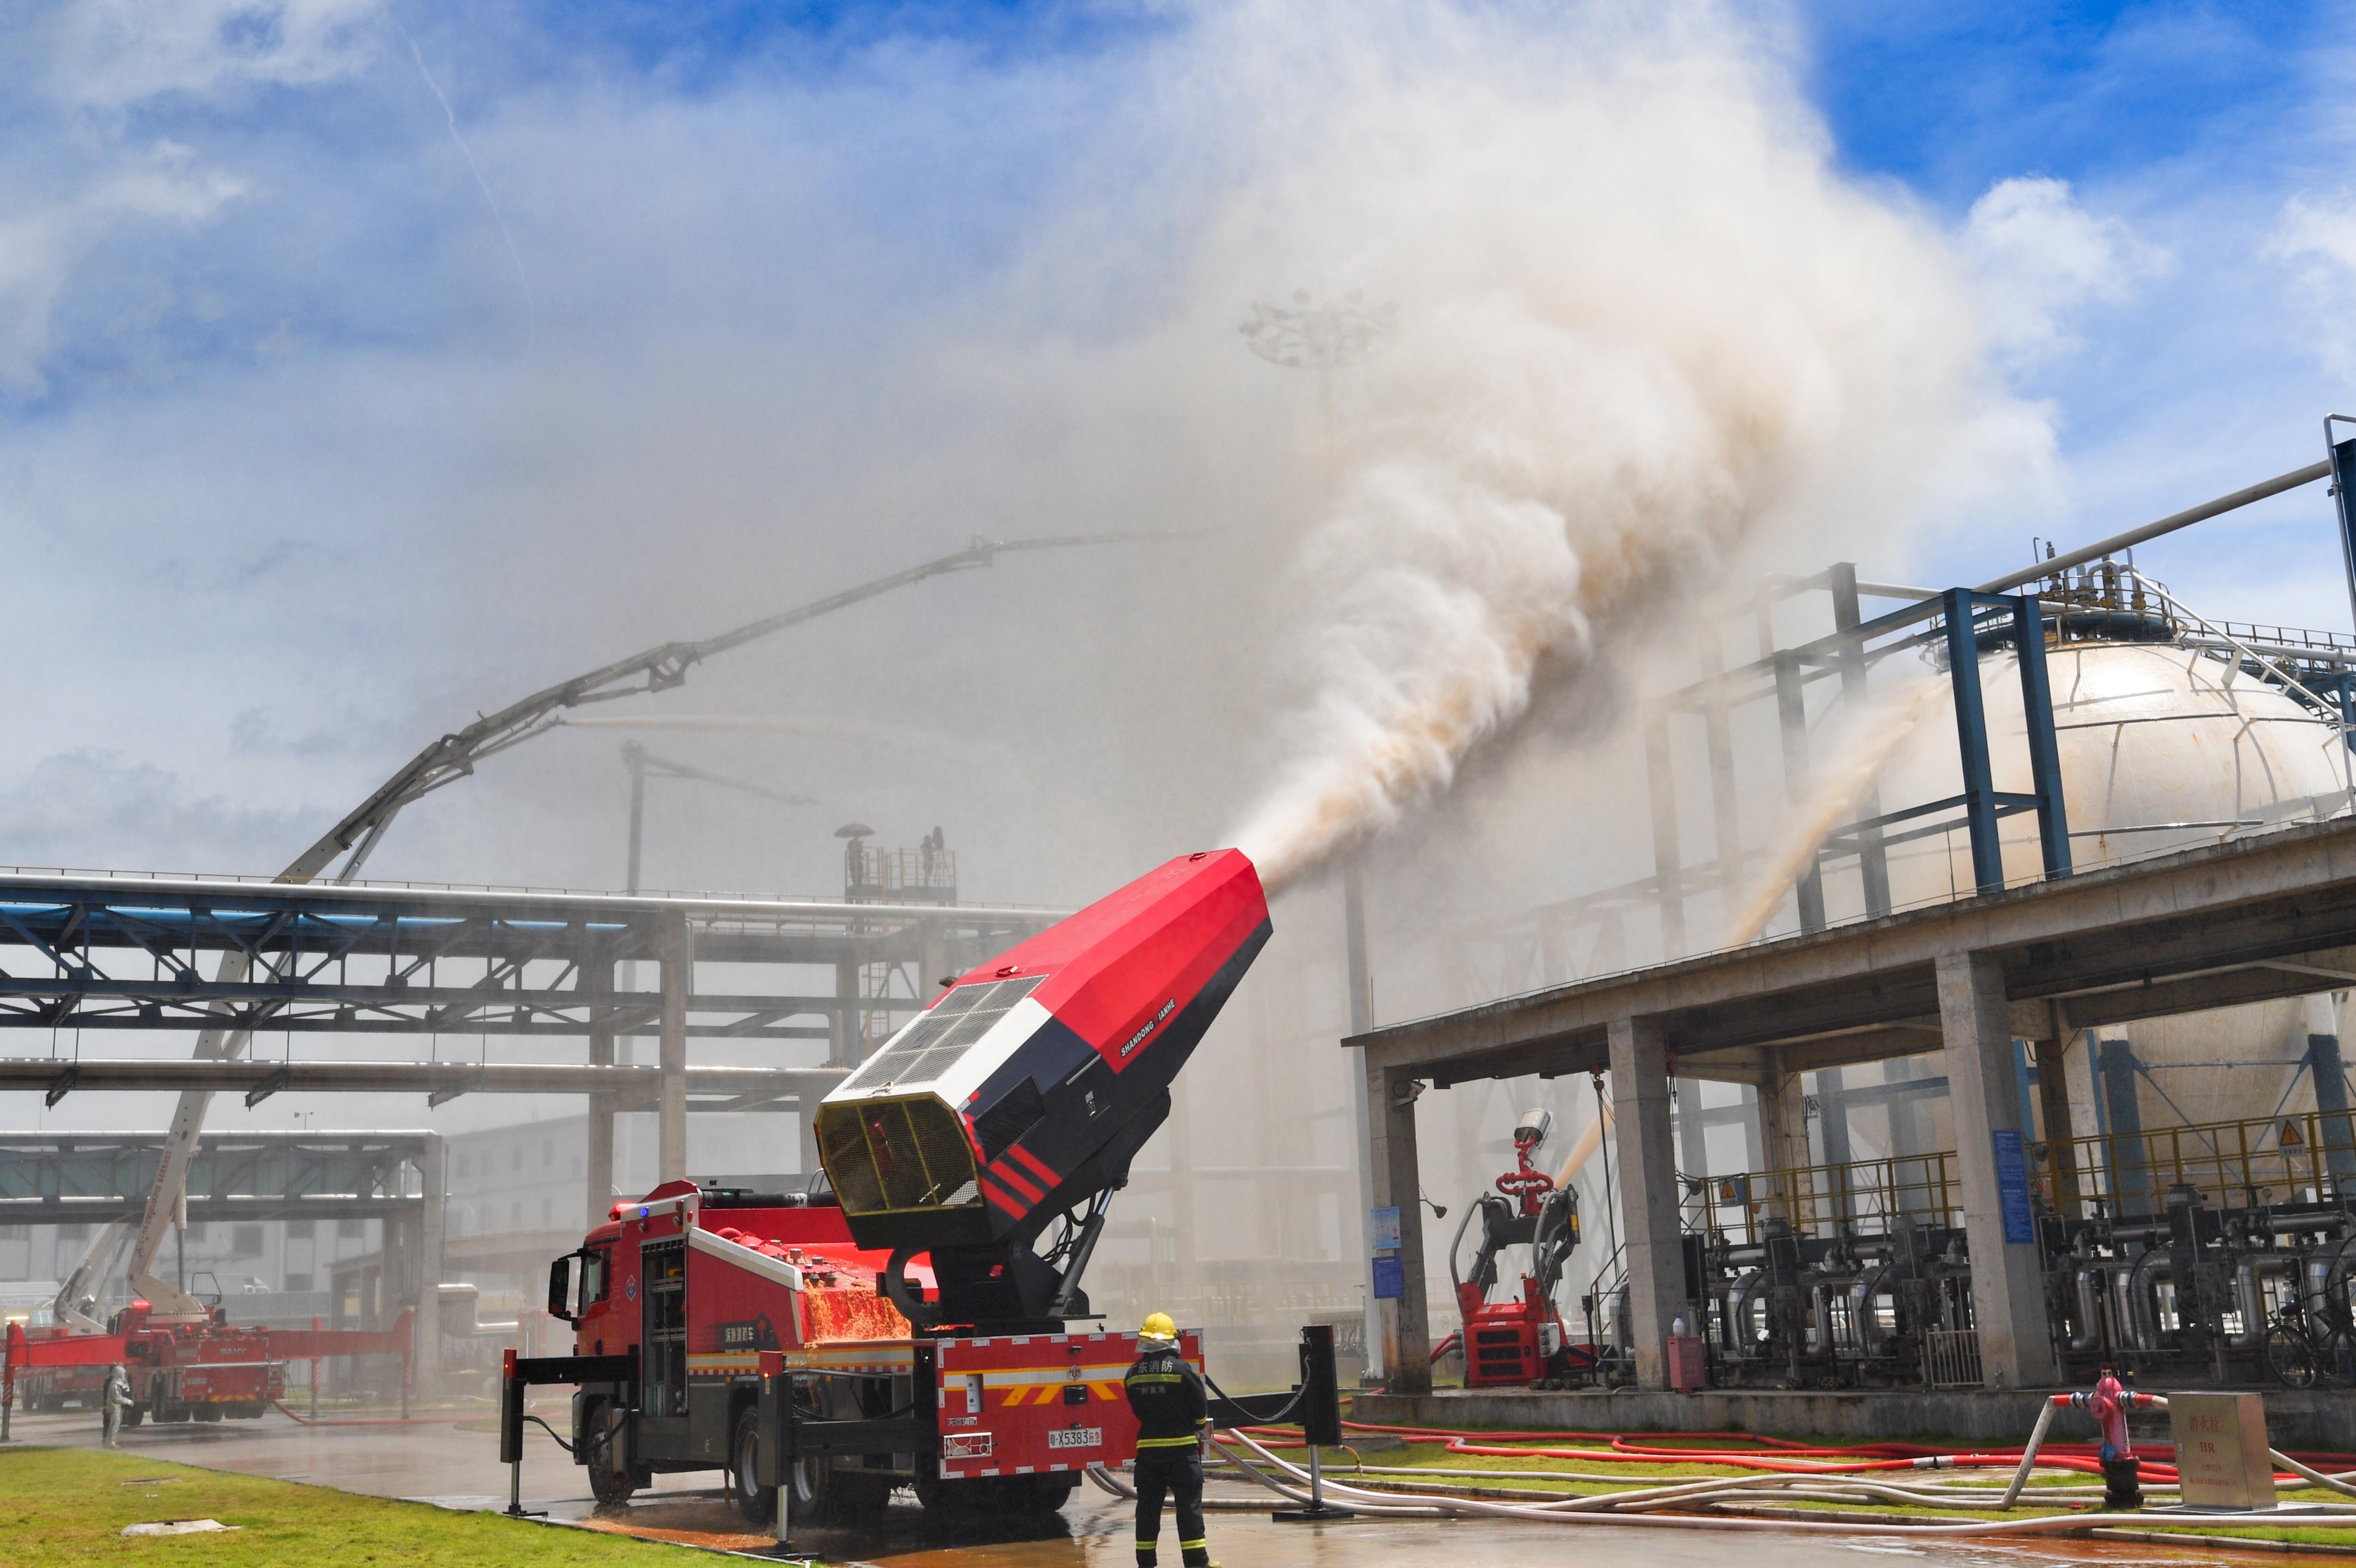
x,y
2297,1156
1866,1196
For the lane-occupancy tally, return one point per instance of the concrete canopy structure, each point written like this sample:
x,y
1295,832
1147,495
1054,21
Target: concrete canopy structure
x,y
2268,916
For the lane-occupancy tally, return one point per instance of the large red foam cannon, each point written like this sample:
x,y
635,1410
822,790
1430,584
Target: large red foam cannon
x,y
1027,1088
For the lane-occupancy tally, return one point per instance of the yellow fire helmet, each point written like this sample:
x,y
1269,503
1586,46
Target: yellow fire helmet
x,y
1159,1326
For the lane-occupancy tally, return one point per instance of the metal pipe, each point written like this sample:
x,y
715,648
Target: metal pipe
x,y
2252,1303
2090,1313
2167,524
1861,1310
2142,1306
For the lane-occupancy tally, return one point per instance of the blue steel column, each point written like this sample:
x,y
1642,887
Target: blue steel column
x,y
2044,752
2330,1073
2343,471
1971,742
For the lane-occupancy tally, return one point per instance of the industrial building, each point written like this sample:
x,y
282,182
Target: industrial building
x,y
2044,1068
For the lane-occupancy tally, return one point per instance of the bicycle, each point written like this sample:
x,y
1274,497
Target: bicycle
x,y
2299,1356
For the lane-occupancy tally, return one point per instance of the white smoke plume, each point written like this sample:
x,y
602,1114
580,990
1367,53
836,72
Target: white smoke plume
x,y
1643,327
1868,743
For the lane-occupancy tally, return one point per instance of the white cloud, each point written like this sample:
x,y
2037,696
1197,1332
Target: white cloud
x,y
2318,241
41,249
2041,257
108,54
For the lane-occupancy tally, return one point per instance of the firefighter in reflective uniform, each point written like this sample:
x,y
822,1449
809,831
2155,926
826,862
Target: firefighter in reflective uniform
x,y
113,1400
1171,1416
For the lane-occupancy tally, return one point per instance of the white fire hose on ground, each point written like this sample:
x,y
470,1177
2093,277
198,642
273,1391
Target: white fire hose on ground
x,y
1640,1506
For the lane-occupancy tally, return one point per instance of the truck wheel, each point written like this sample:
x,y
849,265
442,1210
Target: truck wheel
x,y
609,1482
134,1414
1051,1492
861,1499
757,1502
208,1413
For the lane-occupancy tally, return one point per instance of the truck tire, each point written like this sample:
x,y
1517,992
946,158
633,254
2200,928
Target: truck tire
x,y
602,1433
1050,1492
206,1413
134,1414
757,1502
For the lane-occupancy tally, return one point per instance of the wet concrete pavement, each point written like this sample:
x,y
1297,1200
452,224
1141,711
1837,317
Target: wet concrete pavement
x,y
455,1463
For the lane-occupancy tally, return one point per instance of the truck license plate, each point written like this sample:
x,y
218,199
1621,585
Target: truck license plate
x,y
1075,1437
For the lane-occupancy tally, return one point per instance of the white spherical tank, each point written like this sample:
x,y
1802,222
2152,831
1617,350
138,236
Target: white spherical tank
x,y
2162,748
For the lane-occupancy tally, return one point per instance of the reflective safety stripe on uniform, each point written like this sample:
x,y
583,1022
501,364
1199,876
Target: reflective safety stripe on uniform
x,y
1167,1442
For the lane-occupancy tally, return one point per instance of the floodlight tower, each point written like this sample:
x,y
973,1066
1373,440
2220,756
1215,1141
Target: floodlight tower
x,y
1306,336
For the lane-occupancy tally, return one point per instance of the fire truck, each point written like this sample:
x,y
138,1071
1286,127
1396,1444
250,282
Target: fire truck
x,y
916,1317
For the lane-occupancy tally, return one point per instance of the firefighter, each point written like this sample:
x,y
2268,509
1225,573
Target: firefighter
x,y
112,1403
1172,1418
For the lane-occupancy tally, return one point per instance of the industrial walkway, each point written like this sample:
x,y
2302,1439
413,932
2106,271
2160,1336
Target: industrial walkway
x,y
2272,915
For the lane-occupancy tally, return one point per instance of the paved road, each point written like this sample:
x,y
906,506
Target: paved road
x,y
456,1465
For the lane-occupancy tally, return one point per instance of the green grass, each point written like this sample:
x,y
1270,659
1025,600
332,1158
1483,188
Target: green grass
x,y
67,1506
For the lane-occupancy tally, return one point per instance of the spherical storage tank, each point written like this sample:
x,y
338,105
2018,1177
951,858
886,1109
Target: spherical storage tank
x,y
2163,747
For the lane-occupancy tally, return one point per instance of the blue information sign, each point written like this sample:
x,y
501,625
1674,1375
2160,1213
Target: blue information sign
x,y
1390,1280
1387,1230
2012,1186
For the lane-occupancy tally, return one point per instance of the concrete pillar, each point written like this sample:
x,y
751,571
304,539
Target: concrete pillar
x,y
1182,1173
1783,1140
426,1362
1831,1124
1362,1018
670,1106
1398,1180
2008,1286
843,1043
596,987
1693,1132
1648,1192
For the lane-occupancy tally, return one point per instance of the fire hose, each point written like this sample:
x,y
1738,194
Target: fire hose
x,y
1635,1506
1852,1473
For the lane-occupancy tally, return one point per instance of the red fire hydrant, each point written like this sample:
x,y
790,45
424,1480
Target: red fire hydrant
x,y
2108,1405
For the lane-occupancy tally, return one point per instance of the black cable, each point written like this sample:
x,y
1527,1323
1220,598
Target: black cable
x,y
1300,1391
561,1443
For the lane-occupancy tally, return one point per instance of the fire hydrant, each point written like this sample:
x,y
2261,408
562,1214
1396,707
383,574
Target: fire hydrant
x,y
2108,1405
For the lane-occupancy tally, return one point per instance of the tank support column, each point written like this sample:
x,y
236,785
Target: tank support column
x,y
1648,1191
2053,1115
670,1105
2008,1286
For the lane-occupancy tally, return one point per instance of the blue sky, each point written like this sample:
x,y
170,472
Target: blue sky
x,y
361,362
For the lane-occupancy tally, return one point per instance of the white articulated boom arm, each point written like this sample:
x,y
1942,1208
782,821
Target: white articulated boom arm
x,y
452,758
